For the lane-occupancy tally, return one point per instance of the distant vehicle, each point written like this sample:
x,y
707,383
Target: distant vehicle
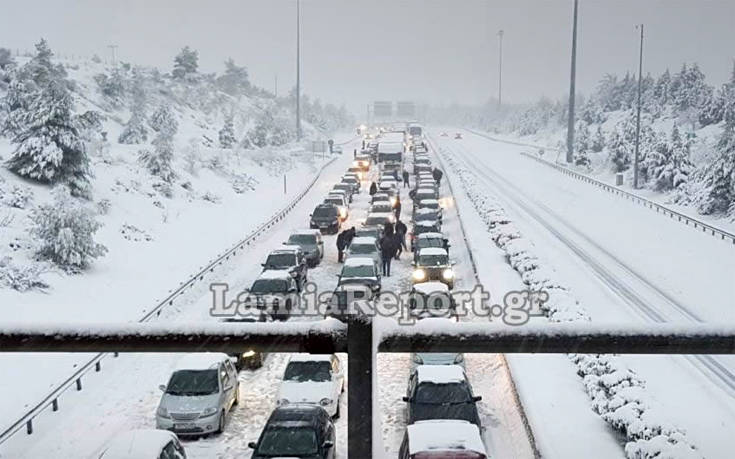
x,y
199,394
441,392
296,431
444,134
429,204
433,264
415,131
274,292
343,295
420,228
340,201
442,439
390,151
358,170
345,195
363,162
364,247
337,149
375,232
290,258
313,379
250,359
418,168
347,188
380,197
311,243
426,193
426,240
379,219
388,184
360,270
381,207
437,358
424,214
458,135
144,444
431,299
326,218
352,181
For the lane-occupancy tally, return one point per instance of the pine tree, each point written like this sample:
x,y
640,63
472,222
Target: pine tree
x,y
598,141
135,131
227,134
160,161
186,63
668,163
662,90
582,144
719,177
235,79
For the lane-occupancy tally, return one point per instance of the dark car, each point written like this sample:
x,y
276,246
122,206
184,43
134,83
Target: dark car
x,y
326,218
290,258
250,359
441,392
311,243
347,188
303,431
274,292
426,240
361,271
433,263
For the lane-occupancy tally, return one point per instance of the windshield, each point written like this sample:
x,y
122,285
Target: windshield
x,y
429,205
325,212
335,201
263,286
375,221
308,371
435,242
193,382
433,260
302,239
281,260
437,394
362,249
424,217
358,271
288,442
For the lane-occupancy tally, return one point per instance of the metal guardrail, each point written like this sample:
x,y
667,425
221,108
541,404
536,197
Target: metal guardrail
x,y
680,217
51,400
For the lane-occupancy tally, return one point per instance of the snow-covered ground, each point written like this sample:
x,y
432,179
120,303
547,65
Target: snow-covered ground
x,y
624,264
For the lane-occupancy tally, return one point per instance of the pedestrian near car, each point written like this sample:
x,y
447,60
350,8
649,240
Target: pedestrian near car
x,y
395,175
350,235
397,207
405,179
354,153
398,245
387,252
402,229
341,245
437,174
373,188
388,228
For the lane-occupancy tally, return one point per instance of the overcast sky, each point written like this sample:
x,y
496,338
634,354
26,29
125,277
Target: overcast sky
x,y
438,51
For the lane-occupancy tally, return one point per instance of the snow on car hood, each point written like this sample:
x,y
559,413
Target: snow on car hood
x,y
189,403
305,392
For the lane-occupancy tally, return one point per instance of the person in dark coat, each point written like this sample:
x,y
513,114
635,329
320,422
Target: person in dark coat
x,y
405,178
341,245
437,174
401,230
373,188
354,153
412,194
350,235
387,252
395,175
398,245
397,207
388,228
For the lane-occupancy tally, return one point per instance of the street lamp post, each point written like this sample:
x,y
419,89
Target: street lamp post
x,y
636,157
298,69
500,68
572,84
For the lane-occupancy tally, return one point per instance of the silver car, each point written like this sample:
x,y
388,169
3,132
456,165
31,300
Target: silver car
x,y
199,394
364,247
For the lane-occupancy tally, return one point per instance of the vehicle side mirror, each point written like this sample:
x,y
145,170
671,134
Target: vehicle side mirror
x,y
477,398
327,444
252,445
162,387
406,399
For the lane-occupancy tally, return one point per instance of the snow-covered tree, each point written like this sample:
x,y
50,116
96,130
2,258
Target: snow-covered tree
x,y
598,140
65,229
234,81
227,137
163,121
112,86
135,131
160,161
621,142
719,177
186,63
667,165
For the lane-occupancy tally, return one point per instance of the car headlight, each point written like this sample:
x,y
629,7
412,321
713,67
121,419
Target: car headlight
x,y
209,411
393,201
248,354
459,358
448,274
162,411
417,359
419,274
325,401
343,213
283,401
313,222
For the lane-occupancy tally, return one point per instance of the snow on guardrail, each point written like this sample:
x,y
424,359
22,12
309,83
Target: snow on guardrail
x,y
51,400
616,392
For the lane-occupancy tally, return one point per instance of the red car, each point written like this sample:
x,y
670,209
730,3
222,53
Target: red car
x,y
442,439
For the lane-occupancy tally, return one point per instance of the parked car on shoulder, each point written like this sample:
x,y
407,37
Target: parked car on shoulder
x,y
353,181
311,243
314,379
296,431
326,218
290,258
199,395
144,444
347,188
441,392
442,439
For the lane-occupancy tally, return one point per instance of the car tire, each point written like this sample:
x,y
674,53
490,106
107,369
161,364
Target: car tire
x,y
221,423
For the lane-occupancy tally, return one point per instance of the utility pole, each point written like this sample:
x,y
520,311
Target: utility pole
x,y
500,69
298,69
638,115
112,49
572,89
275,85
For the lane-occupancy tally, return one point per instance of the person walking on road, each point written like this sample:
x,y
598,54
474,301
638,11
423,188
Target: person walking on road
x,y
401,230
354,153
341,245
405,179
350,235
373,188
437,174
387,252
397,207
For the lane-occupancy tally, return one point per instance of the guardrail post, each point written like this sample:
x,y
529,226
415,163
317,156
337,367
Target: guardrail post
x,y
97,366
79,383
55,404
29,426
360,386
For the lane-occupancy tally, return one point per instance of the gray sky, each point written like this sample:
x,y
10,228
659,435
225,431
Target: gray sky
x,y
437,51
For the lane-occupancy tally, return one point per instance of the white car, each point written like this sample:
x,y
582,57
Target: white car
x,y
364,247
315,379
144,444
442,438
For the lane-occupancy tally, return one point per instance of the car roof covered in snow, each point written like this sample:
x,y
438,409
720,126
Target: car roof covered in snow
x,y
275,274
359,261
287,248
440,374
444,435
429,201
310,232
138,443
432,251
201,360
426,223
425,210
306,357
427,288
431,236
363,240
380,214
